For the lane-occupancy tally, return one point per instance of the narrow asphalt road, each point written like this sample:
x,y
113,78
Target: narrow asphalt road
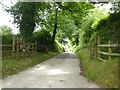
x,y
61,71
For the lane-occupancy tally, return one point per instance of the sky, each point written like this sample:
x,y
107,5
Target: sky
x,y
6,19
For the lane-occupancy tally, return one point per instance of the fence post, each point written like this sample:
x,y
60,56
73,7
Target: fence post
x,y
109,50
96,52
92,51
98,48
17,47
35,46
13,46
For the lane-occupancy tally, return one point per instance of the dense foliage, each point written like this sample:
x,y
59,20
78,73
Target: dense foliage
x,y
109,28
72,25
43,39
78,22
26,16
6,34
98,23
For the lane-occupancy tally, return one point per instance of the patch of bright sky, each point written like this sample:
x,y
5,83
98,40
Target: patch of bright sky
x,y
104,6
6,18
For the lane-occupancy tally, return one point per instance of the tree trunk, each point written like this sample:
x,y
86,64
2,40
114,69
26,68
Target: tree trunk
x,y
55,25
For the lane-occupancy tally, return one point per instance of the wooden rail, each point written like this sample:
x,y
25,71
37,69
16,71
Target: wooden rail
x,y
6,45
111,54
32,45
107,45
96,50
15,49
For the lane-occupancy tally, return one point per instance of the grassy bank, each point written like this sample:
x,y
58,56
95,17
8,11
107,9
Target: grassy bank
x,y
14,65
105,74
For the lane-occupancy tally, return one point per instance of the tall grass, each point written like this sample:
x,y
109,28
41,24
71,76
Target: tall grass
x,y
14,65
105,74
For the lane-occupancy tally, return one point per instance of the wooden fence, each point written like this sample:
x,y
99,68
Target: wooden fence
x,y
96,50
17,48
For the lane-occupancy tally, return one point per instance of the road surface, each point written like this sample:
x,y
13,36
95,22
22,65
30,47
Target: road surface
x,y
61,71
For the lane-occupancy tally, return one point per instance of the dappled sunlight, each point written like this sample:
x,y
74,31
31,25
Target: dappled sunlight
x,y
47,70
8,84
56,72
41,68
49,44
71,52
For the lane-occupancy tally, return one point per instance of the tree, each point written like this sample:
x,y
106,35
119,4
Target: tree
x,y
55,24
28,15
5,30
72,11
89,25
25,16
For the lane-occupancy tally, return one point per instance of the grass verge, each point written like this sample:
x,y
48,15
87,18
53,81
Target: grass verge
x,y
105,74
14,65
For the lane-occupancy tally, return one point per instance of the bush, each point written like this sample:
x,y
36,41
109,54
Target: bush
x,y
6,34
6,39
57,47
43,39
